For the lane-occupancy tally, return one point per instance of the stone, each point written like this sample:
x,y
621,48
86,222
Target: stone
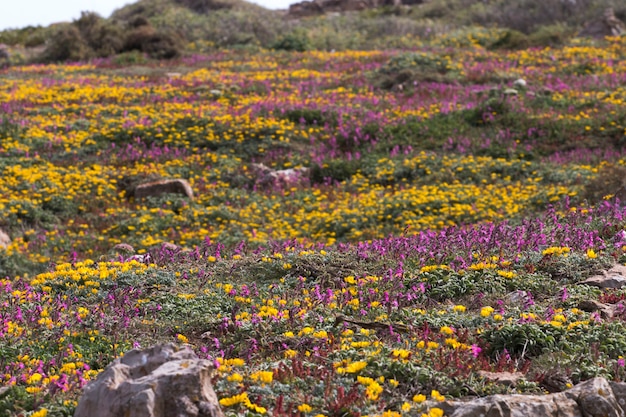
x,y
613,278
607,311
503,378
5,240
164,380
268,177
593,398
607,25
520,83
160,187
124,249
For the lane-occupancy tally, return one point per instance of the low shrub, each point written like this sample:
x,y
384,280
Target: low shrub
x,y
157,44
66,44
297,40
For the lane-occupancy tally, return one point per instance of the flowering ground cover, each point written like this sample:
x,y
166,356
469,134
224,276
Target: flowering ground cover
x,y
443,227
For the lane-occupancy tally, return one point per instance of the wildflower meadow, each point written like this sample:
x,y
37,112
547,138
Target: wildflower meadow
x,y
449,203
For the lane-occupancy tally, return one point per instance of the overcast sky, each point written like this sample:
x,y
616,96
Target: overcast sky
x,y
21,13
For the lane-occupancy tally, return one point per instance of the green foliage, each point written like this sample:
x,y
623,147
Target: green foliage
x,y
334,170
158,45
522,339
66,44
310,116
297,41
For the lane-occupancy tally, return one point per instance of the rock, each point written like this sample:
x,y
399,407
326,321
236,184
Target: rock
x,y
268,177
124,249
593,398
161,381
519,298
520,82
5,240
607,311
504,378
157,188
613,278
305,9
607,25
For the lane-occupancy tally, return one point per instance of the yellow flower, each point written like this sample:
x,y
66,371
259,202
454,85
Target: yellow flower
x,y
304,408
263,376
446,330
406,407
419,398
486,311
459,309
355,367
181,338
290,353
235,377
437,396
591,254
41,413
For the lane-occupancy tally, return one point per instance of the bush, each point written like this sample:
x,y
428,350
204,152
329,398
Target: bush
x,y
610,181
104,38
511,39
297,40
66,44
205,6
158,45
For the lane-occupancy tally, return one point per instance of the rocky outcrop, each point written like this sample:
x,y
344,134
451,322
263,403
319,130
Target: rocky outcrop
x,y
5,240
160,187
267,177
613,278
502,378
162,381
593,398
607,25
318,7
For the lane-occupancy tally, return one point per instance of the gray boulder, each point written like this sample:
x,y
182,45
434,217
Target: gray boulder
x,y
613,278
5,240
162,381
593,398
160,187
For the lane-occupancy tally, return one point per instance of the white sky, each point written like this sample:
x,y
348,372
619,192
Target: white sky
x,y
21,13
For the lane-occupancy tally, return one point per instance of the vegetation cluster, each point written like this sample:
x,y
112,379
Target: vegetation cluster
x,y
452,199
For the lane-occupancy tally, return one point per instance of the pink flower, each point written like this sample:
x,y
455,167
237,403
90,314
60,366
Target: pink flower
x,y
476,350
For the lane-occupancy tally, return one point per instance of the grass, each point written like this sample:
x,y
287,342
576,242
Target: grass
x,y
443,227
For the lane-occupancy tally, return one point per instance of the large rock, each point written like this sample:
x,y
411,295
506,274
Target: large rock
x,y
5,240
607,25
613,278
160,187
162,381
593,398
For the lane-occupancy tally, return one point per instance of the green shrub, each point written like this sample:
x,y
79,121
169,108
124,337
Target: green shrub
x,y
552,35
511,39
335,170
610,181
66,44
157,44
205,6
297,40
103,37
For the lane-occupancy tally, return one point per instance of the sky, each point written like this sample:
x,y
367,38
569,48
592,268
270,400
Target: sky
x,y
21,13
